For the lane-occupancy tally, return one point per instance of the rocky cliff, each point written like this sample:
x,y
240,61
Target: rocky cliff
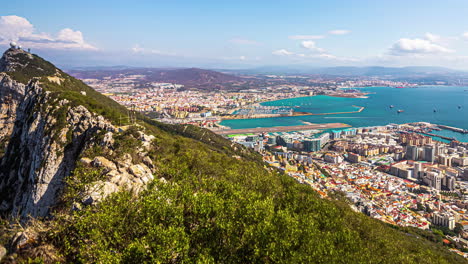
x,y
43,136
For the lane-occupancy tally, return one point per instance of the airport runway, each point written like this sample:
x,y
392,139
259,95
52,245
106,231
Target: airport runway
x,y
258,130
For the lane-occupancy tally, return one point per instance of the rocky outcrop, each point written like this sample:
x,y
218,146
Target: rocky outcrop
x,y
46,137
123,174
43,137
11,93
14,59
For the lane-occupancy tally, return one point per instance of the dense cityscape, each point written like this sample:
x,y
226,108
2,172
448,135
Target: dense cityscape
x,y
387,172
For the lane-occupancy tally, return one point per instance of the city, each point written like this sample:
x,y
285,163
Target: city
x,y
399,177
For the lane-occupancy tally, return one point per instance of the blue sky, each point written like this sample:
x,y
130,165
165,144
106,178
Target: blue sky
x,y
241,34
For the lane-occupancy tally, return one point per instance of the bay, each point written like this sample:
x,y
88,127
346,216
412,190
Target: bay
x,y
449,102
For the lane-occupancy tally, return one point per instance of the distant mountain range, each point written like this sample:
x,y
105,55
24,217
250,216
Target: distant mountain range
x,y
353,71
238,79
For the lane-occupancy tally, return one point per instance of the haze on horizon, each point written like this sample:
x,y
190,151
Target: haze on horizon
x,y
241,34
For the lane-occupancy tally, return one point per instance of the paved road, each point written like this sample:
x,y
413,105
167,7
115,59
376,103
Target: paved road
x,y
280,128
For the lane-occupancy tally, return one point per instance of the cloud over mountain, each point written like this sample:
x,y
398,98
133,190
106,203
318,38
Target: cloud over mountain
x,y
19,29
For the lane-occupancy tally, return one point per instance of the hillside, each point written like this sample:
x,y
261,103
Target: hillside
x,y
90,187
189,77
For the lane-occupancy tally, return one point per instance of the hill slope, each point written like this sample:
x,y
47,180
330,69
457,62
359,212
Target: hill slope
x,y
189,77
152,193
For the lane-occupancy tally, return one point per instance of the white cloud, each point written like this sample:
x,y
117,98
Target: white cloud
x,y
465,35
322,56
306,37
19,29
432,37
242,41
407,46
339,32
310,45
282,52
137,49
14,27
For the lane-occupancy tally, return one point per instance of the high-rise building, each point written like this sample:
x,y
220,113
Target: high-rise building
x,y
312,145
429,153
324,138
412,152
439,150
336,134
418,170
449,183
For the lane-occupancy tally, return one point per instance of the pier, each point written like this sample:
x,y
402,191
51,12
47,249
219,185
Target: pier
x,y
455,129
337,113
435,135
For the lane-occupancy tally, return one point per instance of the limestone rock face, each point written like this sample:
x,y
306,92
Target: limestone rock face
x,y
40,149
43,137
11,93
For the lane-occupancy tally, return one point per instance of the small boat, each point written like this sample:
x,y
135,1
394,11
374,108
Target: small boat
x,y
435,110
400,111
400,87
391,106
459,107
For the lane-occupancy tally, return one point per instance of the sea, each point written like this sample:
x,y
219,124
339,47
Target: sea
x,y
444,105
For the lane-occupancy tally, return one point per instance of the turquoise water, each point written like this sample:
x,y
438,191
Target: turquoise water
x,y
418,105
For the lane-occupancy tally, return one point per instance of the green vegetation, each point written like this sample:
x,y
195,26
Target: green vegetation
x,y
34,67
212,202
234,213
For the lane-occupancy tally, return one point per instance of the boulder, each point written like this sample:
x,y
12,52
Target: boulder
x,y
100,191
141,170
104,163
108,139
125,161
86,161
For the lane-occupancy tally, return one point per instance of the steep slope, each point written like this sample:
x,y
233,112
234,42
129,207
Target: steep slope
x,y
152,193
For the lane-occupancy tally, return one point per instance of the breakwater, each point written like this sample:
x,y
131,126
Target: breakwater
x,y
456,129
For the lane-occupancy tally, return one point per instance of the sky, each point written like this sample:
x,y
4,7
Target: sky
x,y
240,34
